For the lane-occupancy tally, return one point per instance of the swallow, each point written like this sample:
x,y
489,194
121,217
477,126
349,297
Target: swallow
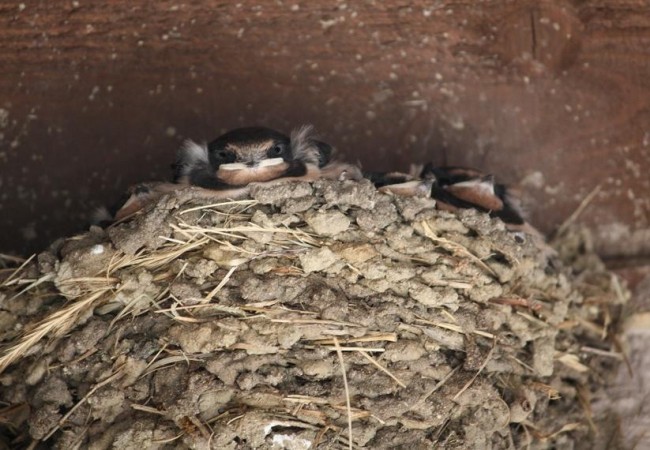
x,y
462,187
455,188
225,168
257,154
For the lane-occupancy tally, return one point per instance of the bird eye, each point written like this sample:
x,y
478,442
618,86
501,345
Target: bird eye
x,y
222,156
276,150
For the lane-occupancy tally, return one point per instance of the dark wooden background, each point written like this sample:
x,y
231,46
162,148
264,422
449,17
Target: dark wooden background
x,y
551,95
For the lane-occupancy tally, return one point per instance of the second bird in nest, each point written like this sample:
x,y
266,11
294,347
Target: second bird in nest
x,y
454,188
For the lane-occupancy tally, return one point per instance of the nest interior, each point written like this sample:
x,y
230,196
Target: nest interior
x,y
313,315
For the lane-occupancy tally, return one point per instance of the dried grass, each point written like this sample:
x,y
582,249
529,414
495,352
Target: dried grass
x,y
234,230
55,325
347,391
97,289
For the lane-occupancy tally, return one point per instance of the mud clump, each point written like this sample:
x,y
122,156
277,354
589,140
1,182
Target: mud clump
x,y
275,322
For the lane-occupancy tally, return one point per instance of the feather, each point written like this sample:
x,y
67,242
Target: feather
x,y
101,216
483,185
512,198
191,157
414,188
304,146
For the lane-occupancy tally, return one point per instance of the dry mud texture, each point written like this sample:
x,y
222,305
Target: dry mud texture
x,y
252,324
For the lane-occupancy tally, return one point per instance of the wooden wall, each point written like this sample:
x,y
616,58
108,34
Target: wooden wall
x,y
554,95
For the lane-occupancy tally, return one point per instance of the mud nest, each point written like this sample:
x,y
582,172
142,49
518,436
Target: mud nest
x,y
322,315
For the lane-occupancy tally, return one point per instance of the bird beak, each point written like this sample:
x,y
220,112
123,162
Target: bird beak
x,y
270,162
244,166
233,166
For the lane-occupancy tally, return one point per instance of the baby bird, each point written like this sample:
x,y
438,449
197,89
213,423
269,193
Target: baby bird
x,y
254,154
462,187
225,168
455,188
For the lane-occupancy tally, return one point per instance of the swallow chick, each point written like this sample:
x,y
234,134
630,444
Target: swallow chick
x,y
257,154
225,168
456,188
462,187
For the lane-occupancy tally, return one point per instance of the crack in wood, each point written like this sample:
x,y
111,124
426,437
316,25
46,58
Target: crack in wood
x,y
533,32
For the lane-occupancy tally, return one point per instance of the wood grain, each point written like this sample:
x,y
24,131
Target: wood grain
x,y
97,95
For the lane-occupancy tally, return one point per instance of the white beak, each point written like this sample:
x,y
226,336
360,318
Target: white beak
x,y
262,163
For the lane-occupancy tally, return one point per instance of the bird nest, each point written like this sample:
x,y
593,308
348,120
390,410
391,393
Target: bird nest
x,y
323,315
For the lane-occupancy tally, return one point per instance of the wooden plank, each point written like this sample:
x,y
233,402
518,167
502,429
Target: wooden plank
x,y
97,95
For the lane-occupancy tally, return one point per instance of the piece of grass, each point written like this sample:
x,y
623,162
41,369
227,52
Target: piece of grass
x,y
579,210
382,368
478,372
347,391
109,379
57,324
455,247
17,271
